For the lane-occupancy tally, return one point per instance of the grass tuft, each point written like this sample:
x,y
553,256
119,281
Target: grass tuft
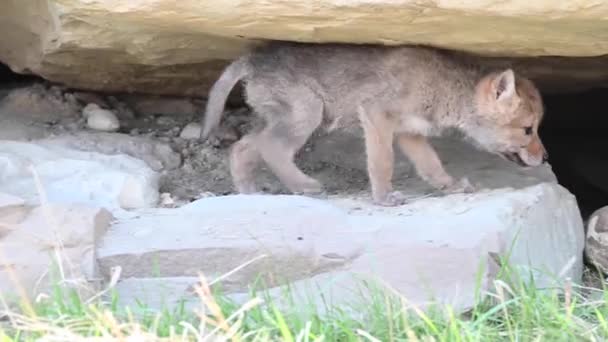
x,y
512,312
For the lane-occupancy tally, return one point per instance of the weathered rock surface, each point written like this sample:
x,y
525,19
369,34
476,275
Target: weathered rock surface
x,y
424,247
70,176
156,154
27,112
596,247
169,47
149,105
430,249
345,151
36,239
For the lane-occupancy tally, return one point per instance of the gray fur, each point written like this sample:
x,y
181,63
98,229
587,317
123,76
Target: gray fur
x,y
432,83
410,92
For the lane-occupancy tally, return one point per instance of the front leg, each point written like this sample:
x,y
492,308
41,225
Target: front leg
x,y
378,132
428,165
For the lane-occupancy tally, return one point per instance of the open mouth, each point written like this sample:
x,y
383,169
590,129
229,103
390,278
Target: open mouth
x,y
514,157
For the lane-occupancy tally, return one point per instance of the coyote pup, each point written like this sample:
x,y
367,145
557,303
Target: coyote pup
x,y
408,93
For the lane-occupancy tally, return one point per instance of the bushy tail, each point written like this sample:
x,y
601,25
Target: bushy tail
x,y
219,94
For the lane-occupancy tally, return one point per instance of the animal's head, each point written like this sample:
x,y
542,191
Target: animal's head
x,y
508,112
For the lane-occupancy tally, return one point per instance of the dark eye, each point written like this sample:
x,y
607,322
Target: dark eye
x,y
528,130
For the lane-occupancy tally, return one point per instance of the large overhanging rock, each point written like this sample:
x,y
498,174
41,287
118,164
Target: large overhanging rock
x,y
178,47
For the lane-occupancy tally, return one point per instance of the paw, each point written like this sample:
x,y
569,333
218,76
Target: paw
x,y
322,195
459,187
392,199
311,188
246,188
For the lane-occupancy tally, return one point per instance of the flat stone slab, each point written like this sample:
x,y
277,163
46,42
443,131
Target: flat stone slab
x,y
433,249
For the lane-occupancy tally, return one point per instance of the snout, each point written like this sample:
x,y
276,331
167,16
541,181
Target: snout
x,y
524,160
534,154
515,158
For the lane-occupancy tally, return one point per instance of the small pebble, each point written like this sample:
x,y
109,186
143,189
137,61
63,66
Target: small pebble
x,y
206,194
191,131
166,200
100,119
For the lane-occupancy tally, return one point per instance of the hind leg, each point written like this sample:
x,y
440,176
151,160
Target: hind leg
x,y
244,159
288,128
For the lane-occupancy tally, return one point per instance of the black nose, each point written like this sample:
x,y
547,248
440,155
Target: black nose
x,y
545,157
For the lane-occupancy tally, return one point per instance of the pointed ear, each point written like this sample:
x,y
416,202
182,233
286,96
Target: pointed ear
x,y
503,86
